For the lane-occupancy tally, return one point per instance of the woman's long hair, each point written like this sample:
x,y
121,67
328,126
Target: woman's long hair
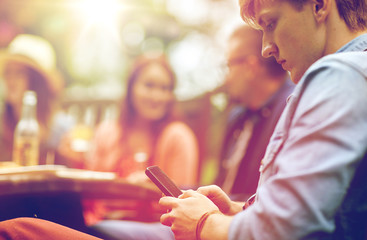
x,y
128,113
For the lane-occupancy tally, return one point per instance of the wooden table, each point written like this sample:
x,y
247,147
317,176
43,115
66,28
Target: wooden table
x,y
55,192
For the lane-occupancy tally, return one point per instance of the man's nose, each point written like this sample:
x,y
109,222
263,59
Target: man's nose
x,y
268,49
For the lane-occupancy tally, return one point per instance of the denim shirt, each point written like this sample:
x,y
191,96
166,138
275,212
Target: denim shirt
x,y
313,182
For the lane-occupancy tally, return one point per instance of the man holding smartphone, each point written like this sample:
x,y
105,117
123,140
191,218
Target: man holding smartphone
x,y
313,180
312,183
258,87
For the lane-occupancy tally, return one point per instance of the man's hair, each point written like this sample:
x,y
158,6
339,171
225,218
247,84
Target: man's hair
x,y
354,12
247,32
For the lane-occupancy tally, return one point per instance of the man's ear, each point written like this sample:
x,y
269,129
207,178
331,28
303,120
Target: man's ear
x,y
321,9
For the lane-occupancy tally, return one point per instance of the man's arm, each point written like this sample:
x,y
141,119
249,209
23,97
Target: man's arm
x,y
305,182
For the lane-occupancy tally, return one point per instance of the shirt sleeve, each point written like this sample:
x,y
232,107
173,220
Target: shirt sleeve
x,y
311,172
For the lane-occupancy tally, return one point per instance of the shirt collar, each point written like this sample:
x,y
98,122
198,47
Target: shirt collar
x,y
357,44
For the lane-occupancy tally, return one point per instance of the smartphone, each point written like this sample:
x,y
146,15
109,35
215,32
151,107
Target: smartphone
x,y
163,182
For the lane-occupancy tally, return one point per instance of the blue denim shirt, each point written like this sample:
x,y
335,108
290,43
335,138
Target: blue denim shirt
x,y
313,182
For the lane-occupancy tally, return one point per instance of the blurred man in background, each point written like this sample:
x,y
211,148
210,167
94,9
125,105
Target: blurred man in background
x,y
258,87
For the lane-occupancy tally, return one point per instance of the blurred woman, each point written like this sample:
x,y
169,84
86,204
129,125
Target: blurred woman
x,y
29,64
147,131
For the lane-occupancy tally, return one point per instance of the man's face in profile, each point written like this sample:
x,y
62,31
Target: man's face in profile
x,y
291,35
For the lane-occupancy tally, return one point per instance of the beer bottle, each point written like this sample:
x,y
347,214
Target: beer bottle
x,y
27,133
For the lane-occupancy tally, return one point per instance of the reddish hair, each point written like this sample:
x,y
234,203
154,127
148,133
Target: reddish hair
x,y
353,12
128,113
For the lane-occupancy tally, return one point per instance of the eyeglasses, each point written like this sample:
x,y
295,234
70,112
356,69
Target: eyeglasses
x,y
233,62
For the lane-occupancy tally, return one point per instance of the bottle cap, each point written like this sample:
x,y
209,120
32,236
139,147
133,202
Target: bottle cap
x,y
30,98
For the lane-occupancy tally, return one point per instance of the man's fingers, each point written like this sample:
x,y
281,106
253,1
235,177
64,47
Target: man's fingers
x,y
166,219
167,202
208,190
187,193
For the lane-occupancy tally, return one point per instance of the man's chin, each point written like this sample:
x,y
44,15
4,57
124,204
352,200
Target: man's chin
x,y
295,77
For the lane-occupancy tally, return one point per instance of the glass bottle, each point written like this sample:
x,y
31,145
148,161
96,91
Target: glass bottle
x,y
27,133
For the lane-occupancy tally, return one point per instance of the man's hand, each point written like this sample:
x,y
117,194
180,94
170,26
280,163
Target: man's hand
x,y
221,199
184,213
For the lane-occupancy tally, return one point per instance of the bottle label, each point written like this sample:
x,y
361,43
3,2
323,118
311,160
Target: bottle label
x,y
26,151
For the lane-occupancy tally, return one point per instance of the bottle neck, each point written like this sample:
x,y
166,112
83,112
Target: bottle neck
x,y
28,112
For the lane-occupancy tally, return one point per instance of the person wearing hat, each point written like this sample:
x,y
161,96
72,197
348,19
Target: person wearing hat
x,y
29,63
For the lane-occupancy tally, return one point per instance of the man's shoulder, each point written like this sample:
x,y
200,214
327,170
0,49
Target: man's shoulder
x,y
356,61
331,79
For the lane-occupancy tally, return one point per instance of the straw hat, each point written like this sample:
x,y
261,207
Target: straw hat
x,y
37,53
